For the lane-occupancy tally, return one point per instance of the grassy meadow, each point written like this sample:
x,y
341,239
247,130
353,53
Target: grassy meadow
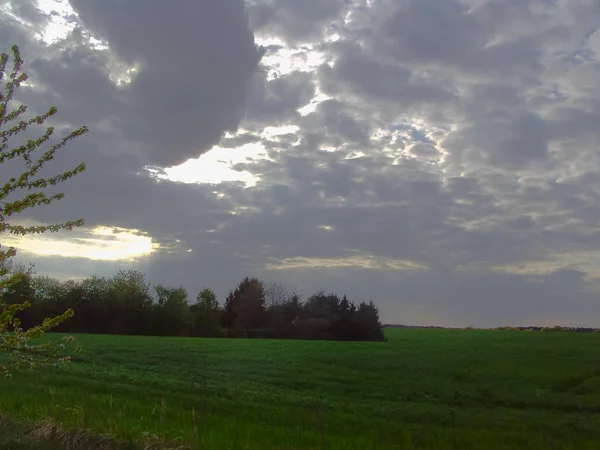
x,y
424,388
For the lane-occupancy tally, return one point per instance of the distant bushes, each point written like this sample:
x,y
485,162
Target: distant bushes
x,y
127,304
554,329
507,329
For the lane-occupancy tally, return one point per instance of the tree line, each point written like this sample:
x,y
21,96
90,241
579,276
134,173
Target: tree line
x,y
127,304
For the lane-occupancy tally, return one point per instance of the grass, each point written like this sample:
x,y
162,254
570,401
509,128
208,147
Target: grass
x,y
467,389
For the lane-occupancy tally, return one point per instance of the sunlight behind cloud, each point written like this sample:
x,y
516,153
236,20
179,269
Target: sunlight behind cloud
x,y
60,23
286,60
270,132
312,106
101,243
62,19
215,166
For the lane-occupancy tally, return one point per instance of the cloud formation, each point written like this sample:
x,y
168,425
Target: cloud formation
x,y
437,156
169,93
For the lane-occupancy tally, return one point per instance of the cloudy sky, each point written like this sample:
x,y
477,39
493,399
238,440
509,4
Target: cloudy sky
x,y
437,156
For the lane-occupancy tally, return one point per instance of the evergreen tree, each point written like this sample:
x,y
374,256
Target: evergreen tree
x,y
245,306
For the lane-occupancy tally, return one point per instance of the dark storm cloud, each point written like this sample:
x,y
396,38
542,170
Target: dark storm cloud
x,y
191,81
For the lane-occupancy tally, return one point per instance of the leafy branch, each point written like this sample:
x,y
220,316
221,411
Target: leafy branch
x,y
14,341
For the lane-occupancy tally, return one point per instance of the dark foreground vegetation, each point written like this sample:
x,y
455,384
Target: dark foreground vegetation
x,y
127,304
422,389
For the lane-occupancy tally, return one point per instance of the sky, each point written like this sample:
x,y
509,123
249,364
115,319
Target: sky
x,y
439,157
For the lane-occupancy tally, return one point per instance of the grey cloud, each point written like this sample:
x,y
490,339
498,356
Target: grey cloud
x,y
510,141
431,31
279,99
519,223
366,75
409,225
481,68
114,191
492,169
239,140
415,216
12,32
337,124
425,151
571,122
28,11
475,40
192,81
295,21
501,298
82,92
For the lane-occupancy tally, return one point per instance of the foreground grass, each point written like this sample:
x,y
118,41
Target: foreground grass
x,y
421,389
47,435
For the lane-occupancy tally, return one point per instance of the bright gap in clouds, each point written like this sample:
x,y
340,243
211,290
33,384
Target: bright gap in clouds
x,y
101,243
286,60
61,22
216,165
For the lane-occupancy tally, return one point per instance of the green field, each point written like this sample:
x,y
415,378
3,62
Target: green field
x,y
421,389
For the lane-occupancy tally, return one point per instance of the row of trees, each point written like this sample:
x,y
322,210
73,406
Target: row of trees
x,y
127,304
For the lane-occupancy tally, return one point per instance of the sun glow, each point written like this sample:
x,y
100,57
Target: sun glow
x,y
216,166
101,243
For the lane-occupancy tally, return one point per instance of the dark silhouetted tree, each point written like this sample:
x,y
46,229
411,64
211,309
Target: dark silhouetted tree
x,y
245,306
370,327
172,313
206,314
276,296
129,298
